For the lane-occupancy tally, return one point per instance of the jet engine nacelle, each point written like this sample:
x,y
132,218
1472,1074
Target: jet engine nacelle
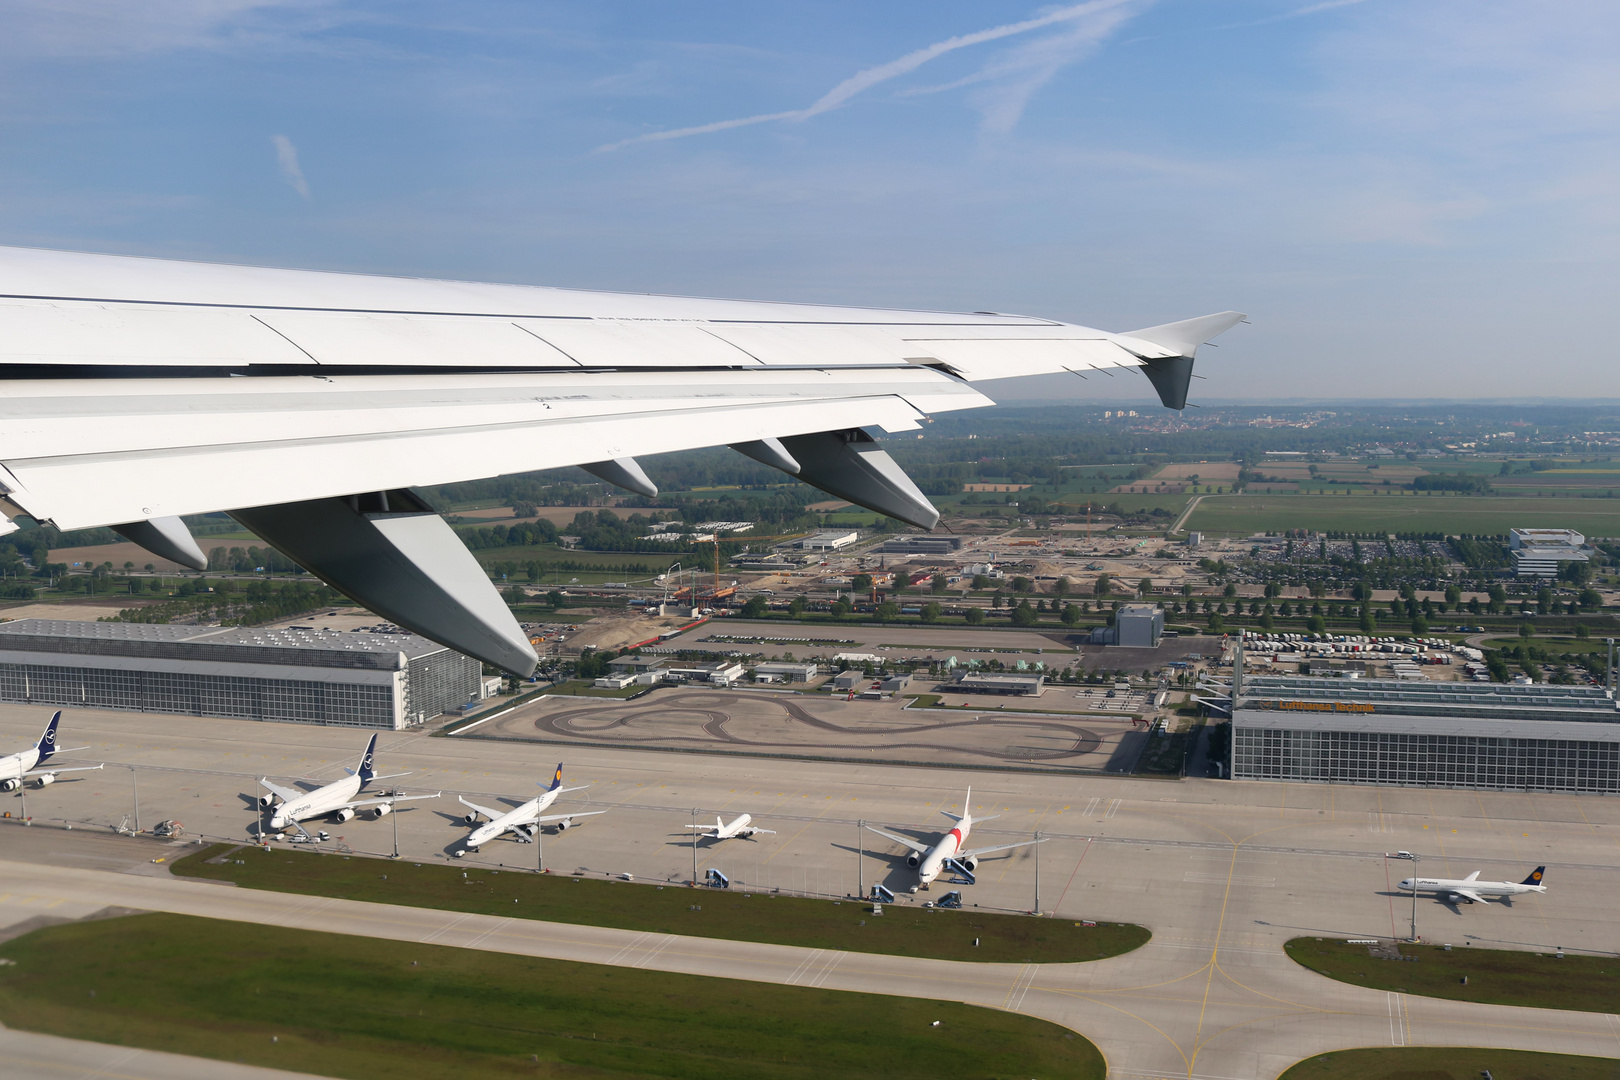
x,y
471,819
972,863
1457,899
345,814
382,810
267,801
529,830
10,785
567,823
913,859
45,780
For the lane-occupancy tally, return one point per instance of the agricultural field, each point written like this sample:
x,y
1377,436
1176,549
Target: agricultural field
x,y
1241,515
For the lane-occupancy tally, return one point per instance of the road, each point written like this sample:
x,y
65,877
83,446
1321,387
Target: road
x,y
1205,1003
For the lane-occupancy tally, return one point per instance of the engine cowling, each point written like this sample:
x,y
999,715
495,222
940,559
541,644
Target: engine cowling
x,y
565,824
528,830
267,801
345,814
972,863
46,780
471,819
382,810
913,859
10,785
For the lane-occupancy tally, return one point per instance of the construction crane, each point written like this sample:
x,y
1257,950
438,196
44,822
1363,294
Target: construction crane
x,y
714,538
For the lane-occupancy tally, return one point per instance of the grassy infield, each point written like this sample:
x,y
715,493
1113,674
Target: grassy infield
x,y
1496,977
357,1007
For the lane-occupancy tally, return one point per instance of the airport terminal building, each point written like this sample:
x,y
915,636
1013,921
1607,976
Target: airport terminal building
x,y
1451,735
290,676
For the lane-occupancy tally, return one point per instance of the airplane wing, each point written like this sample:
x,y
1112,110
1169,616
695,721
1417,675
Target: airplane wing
x,y
706,830
486,811
308,405
753,829
565,817
906,840
1467,894
76,768
286,794
999,847
390,799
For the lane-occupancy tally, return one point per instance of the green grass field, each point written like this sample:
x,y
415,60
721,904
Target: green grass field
x,y
359,1007
1495,976
1450,1063
1453,514
739,916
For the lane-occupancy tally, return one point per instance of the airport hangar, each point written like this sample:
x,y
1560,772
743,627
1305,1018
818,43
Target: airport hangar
x,y
390,680
1421,734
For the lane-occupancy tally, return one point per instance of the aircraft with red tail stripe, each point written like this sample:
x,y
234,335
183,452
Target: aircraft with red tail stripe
x,y
950,850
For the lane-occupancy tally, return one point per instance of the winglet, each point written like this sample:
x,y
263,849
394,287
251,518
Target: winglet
x,y
1167,352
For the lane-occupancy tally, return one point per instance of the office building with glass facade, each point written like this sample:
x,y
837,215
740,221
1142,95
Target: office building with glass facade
x,y
294,676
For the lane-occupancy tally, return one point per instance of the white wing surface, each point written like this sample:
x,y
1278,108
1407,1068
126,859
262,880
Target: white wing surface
x,y
286,794
1468,894
999,847
309,404
905,840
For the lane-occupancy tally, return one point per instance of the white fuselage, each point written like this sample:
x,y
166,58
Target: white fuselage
x,y
323,800
1461,885
16,766
523,815
949,847
738,828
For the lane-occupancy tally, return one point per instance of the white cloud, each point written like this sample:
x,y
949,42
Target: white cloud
x,y
1030,69
287,158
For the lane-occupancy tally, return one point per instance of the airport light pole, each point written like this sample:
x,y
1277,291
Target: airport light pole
x,y
1414,896
135,789
694,847
395,815
860,860
1037,871
539,848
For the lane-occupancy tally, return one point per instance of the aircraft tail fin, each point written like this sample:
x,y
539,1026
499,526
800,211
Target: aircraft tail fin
x,y
1535,876
47,741
367,769
556,778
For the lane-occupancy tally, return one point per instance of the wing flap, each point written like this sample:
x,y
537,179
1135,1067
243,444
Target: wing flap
x,y
380,339
77,333
172,447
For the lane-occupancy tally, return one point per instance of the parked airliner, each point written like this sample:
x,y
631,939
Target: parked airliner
x,y
523,822
948,852
1471,890
16,769
339,798
740,828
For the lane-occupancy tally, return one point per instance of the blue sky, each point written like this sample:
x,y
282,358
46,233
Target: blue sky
x,y
1410,198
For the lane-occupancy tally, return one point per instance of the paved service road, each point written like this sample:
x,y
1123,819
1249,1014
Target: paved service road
x,y
1181,1007
44,1057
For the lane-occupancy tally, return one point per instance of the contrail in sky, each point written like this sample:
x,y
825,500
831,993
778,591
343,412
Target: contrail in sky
x,y
865,80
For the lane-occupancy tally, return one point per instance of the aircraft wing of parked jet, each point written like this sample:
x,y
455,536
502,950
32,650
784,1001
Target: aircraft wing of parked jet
x,y
906,841
23,766
309,405
340,798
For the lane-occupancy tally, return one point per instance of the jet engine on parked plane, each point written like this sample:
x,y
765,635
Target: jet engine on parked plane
x,y
971,863
913,859
345,814
45,779
267,801
567,823
471,819
382,810
10,785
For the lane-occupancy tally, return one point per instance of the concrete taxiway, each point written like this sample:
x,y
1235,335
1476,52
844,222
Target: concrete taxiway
x,y
1223,873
